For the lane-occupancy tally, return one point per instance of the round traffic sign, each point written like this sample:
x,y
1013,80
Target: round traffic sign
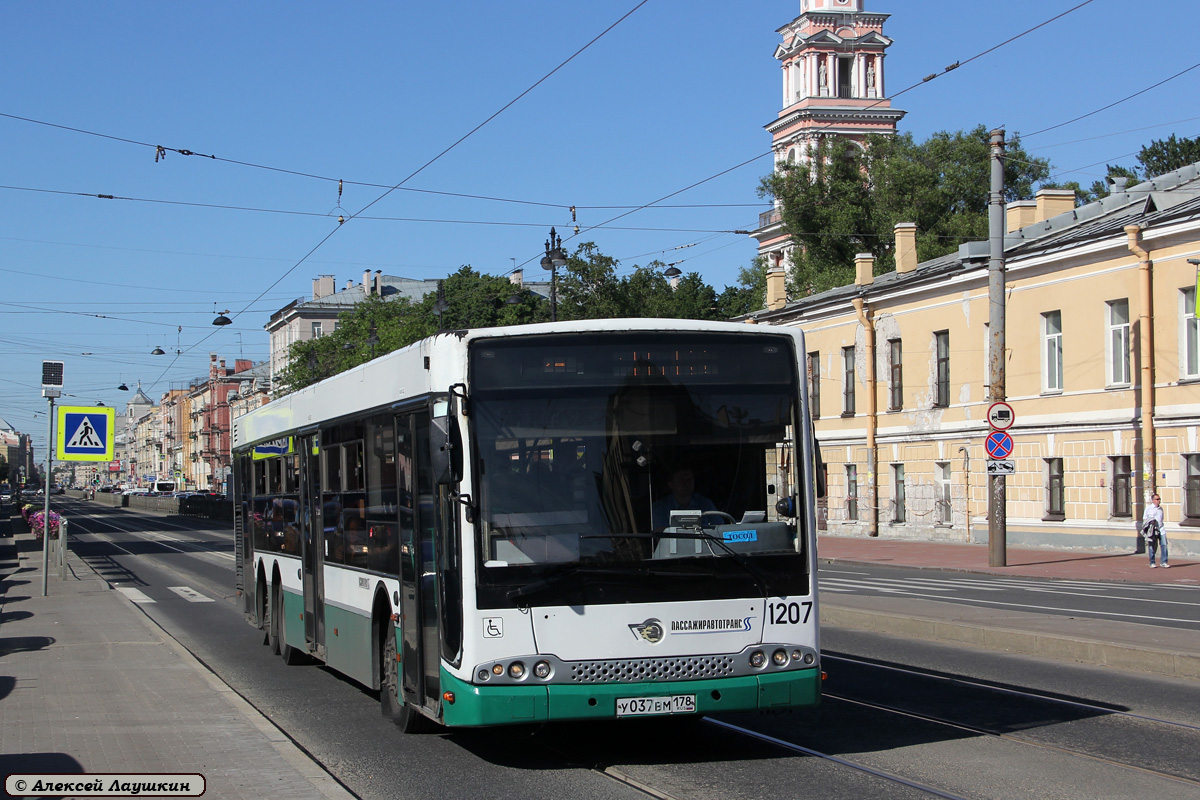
x,y
998,445
1000,416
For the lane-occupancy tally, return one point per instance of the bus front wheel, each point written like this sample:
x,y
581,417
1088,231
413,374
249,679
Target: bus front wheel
x,y
400,713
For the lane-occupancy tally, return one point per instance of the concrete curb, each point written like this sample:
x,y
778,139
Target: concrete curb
x,y
1118,655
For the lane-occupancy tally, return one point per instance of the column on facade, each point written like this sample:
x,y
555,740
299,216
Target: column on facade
x,y
879,92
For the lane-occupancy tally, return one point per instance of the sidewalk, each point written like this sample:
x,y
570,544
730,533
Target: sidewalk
x,y
1124,645
89,684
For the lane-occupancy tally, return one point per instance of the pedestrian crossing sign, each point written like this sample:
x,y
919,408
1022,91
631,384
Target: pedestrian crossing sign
x,y
85,433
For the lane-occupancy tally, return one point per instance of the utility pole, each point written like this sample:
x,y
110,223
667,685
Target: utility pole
x,y
997,510
52,381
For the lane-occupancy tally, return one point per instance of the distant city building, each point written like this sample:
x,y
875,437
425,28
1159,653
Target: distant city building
x,y
18,452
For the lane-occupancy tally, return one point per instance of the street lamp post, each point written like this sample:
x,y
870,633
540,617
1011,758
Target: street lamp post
x,y
554,258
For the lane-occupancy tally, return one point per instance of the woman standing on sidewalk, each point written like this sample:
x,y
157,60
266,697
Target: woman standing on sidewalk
x,y
1154,530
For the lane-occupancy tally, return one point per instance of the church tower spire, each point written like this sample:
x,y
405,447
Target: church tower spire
x,y
832,63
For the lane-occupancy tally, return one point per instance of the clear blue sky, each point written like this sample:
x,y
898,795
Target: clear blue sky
x,y
370,92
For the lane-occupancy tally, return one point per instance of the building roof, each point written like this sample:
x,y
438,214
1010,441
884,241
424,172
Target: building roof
x,y
1167,199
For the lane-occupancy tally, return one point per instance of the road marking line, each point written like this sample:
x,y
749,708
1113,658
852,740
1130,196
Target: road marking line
x,y
136,595
190,594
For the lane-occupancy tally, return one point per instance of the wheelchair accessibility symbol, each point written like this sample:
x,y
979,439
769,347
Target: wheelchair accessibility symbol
x,y
493,628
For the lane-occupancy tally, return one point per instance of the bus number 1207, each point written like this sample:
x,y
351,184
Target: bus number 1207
x,y
788,613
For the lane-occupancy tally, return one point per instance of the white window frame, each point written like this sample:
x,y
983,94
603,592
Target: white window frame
x,y
1189,335
317,328
1052,354
942,476
1117,344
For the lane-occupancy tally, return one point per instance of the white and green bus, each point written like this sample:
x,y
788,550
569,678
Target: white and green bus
x,y
565,521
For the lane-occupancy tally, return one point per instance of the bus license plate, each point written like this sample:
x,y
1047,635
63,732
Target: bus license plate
x,y
643,706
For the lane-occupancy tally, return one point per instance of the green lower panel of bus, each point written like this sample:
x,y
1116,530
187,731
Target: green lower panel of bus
x,y
475,706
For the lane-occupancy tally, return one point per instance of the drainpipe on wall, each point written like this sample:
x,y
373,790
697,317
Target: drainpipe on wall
x,y
1146,346
872,402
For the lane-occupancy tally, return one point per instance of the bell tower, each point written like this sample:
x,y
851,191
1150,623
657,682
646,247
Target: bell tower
x,y
832,65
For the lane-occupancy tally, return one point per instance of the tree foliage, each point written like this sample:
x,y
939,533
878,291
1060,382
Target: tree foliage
x,y
1157,158
847,199
587,287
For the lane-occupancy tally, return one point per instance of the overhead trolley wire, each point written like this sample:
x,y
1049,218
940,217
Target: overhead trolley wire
x,y
420,169
880,101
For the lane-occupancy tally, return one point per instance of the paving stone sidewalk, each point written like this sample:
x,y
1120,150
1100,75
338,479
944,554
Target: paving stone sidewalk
x,y
89,684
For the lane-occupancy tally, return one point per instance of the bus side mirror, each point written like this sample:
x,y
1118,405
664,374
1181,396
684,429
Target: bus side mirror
x,y
445,443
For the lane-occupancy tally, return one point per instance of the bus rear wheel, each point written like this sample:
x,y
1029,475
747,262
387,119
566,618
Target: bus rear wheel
x,y
407,718
263,604
291,655
274,614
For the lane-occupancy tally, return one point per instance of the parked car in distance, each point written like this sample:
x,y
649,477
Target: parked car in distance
x,y
5,496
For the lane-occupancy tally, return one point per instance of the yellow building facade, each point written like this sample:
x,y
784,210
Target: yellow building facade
x,y
1101,368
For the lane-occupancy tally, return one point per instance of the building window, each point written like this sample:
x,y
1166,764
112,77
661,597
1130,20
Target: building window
x,y
1054,489
942,508
898,493
1191,488
942,366
1122,482
1052,352
814,384
848,381
1118,343
845,76
1189,349
852,492
316,330
896,395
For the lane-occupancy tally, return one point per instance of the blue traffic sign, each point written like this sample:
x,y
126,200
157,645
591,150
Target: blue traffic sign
x,y
998,444
85,433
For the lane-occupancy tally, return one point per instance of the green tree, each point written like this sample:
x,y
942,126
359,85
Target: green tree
x,y
749,295
1166,155
1157,158
847,199
588,287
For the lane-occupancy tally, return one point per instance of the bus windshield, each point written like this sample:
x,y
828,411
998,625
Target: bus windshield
x,y
620,460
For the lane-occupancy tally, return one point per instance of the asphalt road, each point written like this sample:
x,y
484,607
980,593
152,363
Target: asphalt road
x,y
1143,603
900,718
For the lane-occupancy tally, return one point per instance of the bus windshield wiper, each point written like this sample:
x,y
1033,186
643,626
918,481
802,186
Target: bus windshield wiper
x,y
578,569
759,579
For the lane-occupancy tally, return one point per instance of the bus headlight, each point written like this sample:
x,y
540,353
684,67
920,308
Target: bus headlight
x,y
483,675
497,669
516,670
779,657
542,669
757,659
809,658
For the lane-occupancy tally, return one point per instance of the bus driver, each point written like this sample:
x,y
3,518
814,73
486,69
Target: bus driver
x,y
683,495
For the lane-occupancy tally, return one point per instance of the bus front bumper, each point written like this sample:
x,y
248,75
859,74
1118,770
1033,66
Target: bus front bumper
x,y
477,706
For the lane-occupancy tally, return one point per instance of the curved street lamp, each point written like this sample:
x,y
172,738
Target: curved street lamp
x,y
555,257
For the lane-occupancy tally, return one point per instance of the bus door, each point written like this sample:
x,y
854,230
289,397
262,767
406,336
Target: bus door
x,y
419,659
313,537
